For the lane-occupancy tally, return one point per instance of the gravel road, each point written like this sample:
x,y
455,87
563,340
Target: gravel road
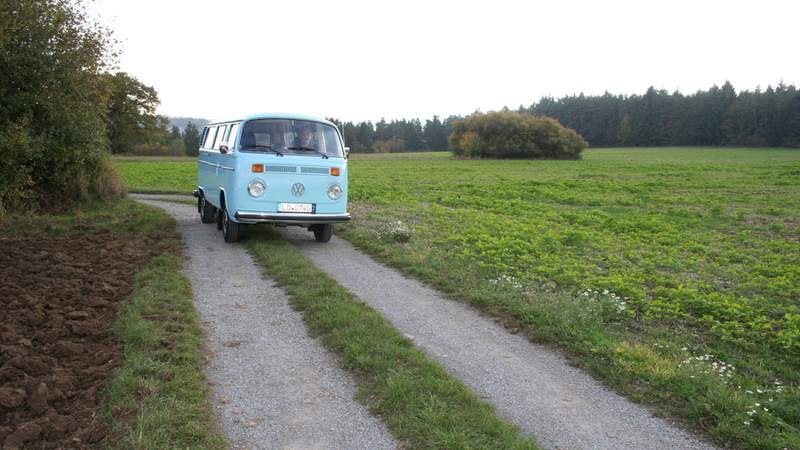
x,y
273,385
531,385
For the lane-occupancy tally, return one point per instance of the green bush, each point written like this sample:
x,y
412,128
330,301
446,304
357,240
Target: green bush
x,y
514,135
53,142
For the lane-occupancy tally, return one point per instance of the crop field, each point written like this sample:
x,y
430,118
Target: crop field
x,y
673,275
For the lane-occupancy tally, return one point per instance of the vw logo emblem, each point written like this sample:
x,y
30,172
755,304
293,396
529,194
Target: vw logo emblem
x,y
298,189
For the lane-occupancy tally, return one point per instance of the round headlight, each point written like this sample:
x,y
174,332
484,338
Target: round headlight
x,y
256,188
335,191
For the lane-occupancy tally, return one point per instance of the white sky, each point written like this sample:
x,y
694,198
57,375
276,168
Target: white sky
x,y
406,58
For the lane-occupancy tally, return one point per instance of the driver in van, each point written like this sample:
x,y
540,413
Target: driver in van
x,y
305,138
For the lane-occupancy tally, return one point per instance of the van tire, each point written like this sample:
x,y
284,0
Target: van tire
x,y
323,232
231,231
207,210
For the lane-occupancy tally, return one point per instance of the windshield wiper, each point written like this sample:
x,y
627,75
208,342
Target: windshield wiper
x,y
308,149
268,147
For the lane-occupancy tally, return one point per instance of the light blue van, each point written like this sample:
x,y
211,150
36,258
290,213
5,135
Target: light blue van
x,y
283,169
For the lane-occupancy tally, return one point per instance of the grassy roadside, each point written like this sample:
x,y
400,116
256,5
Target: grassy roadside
x,y
157,395
422,405
158,398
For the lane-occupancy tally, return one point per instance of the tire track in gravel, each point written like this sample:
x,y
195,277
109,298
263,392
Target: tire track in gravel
x,y
531,385
273,385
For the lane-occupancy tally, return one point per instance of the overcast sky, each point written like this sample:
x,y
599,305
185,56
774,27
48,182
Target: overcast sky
x,y
372,59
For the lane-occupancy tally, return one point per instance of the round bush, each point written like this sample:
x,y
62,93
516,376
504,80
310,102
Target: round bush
x,y
514,135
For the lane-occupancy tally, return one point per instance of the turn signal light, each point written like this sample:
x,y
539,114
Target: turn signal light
x,y
335,171
258,168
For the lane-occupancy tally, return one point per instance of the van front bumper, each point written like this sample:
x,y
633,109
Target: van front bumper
x,y
292,218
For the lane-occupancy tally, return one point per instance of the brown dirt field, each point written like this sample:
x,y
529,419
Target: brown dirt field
x,y
59,298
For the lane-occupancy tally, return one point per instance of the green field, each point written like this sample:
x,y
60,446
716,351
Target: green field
x,y
671,274
158,174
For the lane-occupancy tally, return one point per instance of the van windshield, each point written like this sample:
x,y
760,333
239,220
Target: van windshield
x,y
299,137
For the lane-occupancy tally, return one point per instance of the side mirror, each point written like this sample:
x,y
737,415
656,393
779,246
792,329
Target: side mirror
x,y
347,152
223,149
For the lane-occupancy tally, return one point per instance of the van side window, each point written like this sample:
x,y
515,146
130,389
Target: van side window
x,y
220,134
209,137
232,135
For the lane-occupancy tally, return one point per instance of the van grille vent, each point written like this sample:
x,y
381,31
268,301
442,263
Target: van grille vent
x,y
315,170
281,169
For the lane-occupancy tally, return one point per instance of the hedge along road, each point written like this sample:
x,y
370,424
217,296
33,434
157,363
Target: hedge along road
x,y
274,386
531,385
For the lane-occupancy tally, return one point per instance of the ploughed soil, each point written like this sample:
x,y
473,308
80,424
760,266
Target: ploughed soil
x,y
59,297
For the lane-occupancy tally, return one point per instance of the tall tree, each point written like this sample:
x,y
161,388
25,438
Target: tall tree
x,y
191,139
132,115
624,135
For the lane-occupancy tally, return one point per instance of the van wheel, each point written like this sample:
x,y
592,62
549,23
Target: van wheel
x,y
323,232
231,231
207,210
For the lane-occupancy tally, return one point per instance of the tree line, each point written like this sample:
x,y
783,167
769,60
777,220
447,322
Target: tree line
x,y
718,116
397,135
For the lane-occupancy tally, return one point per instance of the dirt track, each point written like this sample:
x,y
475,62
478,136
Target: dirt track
x,y
274,386
531,385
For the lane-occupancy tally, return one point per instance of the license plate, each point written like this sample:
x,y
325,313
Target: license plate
x,y
296,207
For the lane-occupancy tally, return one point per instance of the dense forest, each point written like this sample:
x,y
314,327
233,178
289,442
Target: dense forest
x,y
718,117
398,135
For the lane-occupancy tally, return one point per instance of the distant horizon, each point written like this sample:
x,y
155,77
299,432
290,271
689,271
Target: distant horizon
x,y
510,107
525,104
